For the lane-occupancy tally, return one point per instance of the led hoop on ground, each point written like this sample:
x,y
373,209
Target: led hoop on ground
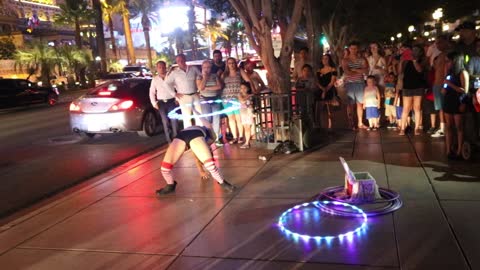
x,y
307,237
235,106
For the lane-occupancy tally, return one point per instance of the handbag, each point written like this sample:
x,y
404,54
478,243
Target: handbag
x,y
429,95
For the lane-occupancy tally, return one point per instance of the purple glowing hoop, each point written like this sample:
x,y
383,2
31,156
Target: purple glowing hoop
x,y
173,114
306,237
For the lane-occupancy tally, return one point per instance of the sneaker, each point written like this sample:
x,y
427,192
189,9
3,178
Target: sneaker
x,y
369,128
169,188
431,130
218,143
438,134
245,146
227,186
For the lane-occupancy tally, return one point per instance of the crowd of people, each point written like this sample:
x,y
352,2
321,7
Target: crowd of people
x,y
417,78
386,86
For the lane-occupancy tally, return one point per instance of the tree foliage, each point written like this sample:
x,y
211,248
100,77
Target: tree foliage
x,y
213,31
38,58
147,10
7,48
74,13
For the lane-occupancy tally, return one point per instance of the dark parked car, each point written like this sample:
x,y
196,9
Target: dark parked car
x,y
139,71
115,106
113,76
21,92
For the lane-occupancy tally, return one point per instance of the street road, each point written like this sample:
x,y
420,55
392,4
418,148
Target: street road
x,y
39,155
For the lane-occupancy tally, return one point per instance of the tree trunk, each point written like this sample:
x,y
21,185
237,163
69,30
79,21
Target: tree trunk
x,y
278,71
78,38
315,48
191,29
258,28
45,75
112,37
100,37
128,39
146,33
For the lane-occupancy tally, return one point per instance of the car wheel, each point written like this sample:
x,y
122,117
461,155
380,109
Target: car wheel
x,y
87,135
149,125
52,99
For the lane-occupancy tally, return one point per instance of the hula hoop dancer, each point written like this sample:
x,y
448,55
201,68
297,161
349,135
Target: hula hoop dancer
x,y
197,138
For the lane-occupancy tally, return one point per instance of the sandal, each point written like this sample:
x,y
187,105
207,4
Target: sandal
x,y
417,132
402,132
245,146
234,141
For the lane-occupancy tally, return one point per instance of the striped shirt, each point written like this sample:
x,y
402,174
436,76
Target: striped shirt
x,y
355,77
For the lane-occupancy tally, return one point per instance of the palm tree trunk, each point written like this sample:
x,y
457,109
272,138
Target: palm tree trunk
x,y
128,39
78,38
112,37
146,33
100,37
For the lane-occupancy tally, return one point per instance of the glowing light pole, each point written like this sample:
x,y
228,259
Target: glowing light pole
x,y
411,29
437,16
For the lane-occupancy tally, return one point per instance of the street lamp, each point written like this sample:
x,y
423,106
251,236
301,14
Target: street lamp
x,y
426,34
437,15
410,29
399,35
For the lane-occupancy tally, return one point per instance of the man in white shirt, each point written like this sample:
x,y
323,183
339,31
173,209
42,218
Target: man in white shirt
x,y
183,78
162,97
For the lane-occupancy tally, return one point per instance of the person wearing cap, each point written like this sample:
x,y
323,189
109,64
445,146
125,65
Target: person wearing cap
x,y
198,139
466,42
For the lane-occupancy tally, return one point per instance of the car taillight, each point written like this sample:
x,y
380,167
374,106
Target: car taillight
x,y
121,106
104,93
74,107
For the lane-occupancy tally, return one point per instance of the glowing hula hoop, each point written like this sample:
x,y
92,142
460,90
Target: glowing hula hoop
x,y
173,114
306,237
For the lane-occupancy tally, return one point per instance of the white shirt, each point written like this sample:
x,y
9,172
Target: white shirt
x,y
184,82
159,89
432,52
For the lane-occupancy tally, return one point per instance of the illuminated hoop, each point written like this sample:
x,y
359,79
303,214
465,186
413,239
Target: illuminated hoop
x,y
236,105
306,237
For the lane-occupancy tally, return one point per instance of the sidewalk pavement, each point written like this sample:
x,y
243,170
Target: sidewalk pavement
x,y
116,221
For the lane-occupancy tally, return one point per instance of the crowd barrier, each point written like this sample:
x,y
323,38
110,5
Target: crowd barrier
x,y
282,117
